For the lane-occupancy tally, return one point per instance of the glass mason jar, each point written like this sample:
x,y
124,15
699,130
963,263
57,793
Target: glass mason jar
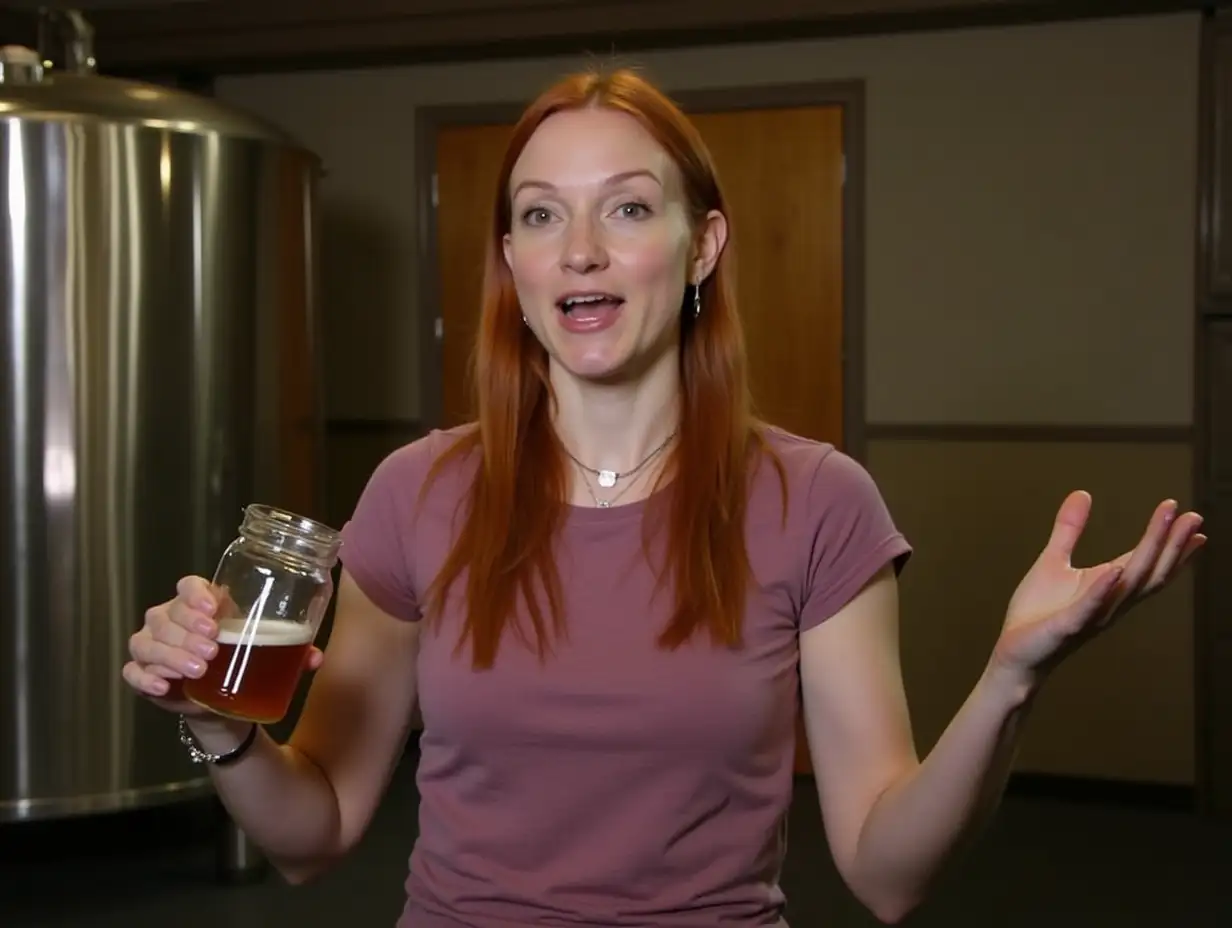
x,y
273,584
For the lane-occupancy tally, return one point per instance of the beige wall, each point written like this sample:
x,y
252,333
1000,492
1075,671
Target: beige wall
x,y
1030,200
978,513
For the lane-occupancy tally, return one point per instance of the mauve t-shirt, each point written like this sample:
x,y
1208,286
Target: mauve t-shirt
x,y
617,784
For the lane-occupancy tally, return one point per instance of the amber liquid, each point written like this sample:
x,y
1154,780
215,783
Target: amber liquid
x,y
256,670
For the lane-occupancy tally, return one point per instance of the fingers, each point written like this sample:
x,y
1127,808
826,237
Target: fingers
x,y
1166,545
188,628
197,593
144,681
180,628
165,660
314,659
165,672
1093,606
1141,561
1099,602
1183,541
1071,520
175,641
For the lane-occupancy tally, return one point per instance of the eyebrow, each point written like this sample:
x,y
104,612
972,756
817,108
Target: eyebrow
x,y
610,182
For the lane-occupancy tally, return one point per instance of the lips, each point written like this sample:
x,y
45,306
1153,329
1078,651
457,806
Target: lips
x,y
590,299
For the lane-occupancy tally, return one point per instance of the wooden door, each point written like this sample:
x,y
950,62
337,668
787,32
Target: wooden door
x,y
782,173
468,160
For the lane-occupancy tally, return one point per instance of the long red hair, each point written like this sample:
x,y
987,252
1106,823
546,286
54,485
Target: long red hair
x,y
516,503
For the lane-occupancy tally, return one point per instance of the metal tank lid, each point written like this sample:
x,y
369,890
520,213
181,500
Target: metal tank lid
x,y
31,89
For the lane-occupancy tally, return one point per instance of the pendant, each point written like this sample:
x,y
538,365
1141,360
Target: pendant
x,y
607,479
604,504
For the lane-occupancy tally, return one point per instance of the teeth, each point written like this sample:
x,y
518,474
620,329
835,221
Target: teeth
x,y
580,300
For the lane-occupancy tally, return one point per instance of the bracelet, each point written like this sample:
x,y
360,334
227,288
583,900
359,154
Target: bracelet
x,y
198,756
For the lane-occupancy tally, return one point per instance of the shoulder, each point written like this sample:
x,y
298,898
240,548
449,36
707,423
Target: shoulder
x,y
381,540
424,452
406,468
832,499
837,514
814,470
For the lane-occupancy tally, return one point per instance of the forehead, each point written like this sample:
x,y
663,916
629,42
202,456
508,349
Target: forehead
x,y
586,146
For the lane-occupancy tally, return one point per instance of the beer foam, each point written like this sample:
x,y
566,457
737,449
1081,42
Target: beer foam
x,y
263,632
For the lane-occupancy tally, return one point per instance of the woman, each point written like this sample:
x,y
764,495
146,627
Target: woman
x,y
608,593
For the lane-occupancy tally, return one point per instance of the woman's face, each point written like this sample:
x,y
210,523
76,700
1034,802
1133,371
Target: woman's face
x,y
601,246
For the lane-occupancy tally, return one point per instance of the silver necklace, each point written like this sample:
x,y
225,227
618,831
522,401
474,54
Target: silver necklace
x,y
606,503
608,478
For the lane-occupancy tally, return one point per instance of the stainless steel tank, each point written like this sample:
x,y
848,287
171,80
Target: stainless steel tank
x,y
157,372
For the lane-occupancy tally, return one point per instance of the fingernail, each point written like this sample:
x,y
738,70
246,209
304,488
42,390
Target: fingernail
x,y
203,627
206,606
206,649
194,667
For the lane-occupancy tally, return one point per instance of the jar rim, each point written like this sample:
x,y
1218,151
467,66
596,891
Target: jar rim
x,y
292,521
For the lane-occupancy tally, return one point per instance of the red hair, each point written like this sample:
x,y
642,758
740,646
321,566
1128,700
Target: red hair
x,y
516,503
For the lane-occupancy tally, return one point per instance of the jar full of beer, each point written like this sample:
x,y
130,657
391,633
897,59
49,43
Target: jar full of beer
x,y
273,585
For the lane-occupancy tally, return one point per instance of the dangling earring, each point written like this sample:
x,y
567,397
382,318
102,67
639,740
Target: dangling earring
x,y
697,300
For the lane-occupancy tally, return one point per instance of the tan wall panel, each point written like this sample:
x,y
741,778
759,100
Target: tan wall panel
x,y
978,514
1030,200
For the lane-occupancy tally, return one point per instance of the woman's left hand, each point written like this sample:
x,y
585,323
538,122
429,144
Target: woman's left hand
x,y
1058,607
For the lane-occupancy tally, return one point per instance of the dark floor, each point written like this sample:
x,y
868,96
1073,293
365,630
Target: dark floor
x,y
1046,862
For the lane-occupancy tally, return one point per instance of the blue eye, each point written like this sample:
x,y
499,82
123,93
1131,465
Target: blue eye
x,y
633,210
536,216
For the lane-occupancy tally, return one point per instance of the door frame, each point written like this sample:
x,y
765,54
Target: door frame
x,y
847,94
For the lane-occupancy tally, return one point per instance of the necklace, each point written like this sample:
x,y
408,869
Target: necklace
x,y
606,503
608,478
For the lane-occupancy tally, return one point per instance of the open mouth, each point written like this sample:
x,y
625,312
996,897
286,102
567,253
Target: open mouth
x,y
582,304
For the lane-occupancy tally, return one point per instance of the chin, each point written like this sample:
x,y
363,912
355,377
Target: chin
x,y
610,369
611,357
596,370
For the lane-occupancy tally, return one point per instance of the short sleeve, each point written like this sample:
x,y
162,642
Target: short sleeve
x,y
853,537
375,540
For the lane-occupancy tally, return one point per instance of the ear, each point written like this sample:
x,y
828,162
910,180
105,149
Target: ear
x,y
505,243
710,242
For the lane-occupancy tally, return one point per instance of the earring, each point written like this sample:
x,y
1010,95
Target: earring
x,y
697,300
525,321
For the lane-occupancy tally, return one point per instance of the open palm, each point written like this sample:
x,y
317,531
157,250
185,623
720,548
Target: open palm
x,y
1057,607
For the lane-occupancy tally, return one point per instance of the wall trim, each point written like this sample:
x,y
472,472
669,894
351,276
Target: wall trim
x,y
1028,432
238,36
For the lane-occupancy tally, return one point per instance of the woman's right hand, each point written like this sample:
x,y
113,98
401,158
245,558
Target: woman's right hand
x,y
174,644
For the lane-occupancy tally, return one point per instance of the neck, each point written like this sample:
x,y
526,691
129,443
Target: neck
x,y
615,426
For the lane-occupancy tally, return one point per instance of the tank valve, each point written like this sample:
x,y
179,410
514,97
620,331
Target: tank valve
x,y
76,35
20,65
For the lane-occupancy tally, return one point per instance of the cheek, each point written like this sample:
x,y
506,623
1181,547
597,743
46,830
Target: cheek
x,y
531,265
656,263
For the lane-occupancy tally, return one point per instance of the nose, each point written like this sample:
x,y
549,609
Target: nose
x,y
583,248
